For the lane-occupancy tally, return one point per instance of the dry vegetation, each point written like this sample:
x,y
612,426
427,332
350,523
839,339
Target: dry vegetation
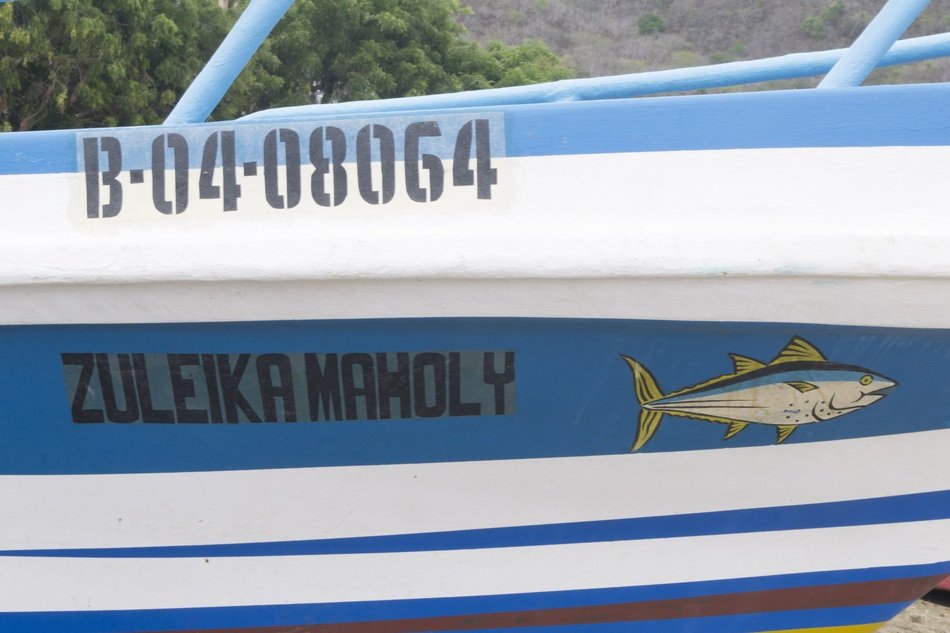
x,y
600,37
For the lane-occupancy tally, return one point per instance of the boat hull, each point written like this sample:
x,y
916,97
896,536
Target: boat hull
x,y
318,412
456,474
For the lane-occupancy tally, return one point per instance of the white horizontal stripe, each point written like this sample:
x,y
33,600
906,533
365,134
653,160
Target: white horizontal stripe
x,y
79,511
29,584
830,235
846,301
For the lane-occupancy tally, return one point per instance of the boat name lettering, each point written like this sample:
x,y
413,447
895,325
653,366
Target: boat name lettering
x,y
298,166
302,387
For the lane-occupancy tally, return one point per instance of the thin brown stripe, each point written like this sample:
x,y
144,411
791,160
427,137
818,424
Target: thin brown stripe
x,y
824,596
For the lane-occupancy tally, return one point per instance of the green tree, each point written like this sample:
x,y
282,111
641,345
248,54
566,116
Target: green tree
x,y
344,50
529,63
81,63
75,63
815,26
650,24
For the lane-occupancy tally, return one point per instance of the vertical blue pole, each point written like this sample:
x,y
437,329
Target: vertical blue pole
x,y
208,88
863,56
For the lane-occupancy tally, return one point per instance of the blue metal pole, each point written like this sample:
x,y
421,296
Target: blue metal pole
x,y
866,52
208,88
623,86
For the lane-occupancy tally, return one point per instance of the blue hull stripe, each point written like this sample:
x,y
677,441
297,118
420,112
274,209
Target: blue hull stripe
x,y
802,118
40,434
302,614
898,509
183,620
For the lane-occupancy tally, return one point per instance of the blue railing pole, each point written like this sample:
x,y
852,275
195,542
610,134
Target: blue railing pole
x,y
209,87
624,86
866,52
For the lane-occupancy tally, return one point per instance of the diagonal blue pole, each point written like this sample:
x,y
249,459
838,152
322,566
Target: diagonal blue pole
x,y
208,88
866,52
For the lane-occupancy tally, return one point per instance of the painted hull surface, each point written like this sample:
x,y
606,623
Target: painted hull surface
x,y
325,390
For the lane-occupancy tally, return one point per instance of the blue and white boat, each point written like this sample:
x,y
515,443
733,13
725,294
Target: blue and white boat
x,y
539,359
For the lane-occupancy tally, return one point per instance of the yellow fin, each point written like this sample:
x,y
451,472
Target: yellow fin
x,y
644,385
802,386
784,430
647,424
744,363
734,429
798,349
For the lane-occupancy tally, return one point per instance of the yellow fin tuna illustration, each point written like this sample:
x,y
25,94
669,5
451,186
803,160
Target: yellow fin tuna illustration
x,y
800,386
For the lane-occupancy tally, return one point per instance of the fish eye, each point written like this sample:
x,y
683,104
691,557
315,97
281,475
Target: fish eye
x,y
866,380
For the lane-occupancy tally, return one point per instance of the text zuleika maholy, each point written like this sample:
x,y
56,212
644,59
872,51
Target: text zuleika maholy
x,y
298,387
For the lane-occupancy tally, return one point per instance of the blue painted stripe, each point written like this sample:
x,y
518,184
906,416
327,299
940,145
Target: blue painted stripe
x,y
898,509
43,152
856,117
560,411
301,614
168,620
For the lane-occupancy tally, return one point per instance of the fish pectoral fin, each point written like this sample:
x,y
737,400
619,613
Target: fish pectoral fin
x,y
798,349
802,386
734,429
745,364
784,431
647,424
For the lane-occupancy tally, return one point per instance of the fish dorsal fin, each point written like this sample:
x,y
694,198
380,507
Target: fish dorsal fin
x,y
801,385
734,429
798,349
745,364
784,431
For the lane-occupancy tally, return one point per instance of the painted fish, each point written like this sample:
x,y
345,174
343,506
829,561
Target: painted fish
x,y
800,386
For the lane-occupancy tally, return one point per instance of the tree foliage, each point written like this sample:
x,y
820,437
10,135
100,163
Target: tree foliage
x,y
650,23
80,63
113,62
816,25
344,50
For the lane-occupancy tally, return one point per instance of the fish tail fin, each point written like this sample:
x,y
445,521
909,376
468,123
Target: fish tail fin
x,y
645,387
647,425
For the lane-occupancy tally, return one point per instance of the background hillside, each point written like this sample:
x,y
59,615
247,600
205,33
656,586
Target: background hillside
x,y
600,37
